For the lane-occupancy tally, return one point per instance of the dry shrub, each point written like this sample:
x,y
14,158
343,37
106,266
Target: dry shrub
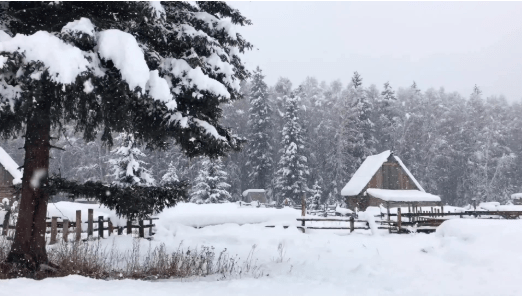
x,y
90,259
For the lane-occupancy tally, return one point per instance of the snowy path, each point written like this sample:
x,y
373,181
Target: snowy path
x,y
473,257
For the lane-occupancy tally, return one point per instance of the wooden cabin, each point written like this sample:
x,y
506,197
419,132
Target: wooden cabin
x,y
516,198
383,179
258,195
9,175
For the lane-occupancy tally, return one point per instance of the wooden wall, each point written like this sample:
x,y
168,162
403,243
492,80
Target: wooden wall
x,y
6,185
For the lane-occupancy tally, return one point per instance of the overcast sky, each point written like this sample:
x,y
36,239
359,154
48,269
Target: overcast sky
x,y
454,45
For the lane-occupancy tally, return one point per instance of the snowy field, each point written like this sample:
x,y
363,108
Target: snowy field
x,y
464,257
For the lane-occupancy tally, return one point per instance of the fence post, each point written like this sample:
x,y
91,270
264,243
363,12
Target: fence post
x,y
90,218
352,224
65,231
120,230
129,227
150,228
78,225
303,205
100,226
111,228
142,230
6,222
399,220
54,229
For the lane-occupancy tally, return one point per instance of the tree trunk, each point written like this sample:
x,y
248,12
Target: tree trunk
x,y
28,247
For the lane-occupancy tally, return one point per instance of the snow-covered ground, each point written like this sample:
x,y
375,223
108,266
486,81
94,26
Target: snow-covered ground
x,y
464,257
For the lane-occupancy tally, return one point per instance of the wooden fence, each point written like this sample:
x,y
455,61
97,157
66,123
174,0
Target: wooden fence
x,y
55,226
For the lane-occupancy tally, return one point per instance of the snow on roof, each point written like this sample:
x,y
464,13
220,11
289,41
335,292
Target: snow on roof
x,y
246,192
10,165
365,173
402,195
367,170
516,196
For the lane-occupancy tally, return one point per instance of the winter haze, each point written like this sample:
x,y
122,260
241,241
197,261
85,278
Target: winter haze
x,y
437,44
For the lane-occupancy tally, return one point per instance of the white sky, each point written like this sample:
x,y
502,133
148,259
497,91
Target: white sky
x,y
454,45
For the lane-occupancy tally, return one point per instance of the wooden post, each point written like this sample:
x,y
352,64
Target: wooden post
x,y
442,209
111,228
90,218
54,229
129,227
6,222
150,228
141,229
432,212
120,230
100,226
303,205
399,222
409,212
388,209
352,224
78,225
65,231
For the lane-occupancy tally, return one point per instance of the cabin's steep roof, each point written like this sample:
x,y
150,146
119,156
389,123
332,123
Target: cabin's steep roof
x,y
10,165
367,170
364,174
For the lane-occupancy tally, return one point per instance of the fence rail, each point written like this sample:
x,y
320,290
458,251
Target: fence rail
x,y
65,225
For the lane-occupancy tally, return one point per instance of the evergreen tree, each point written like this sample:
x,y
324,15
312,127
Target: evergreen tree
x,y
315,199
359,129
260,141
210,184
154,70
171,175
127,168
387,119
293,167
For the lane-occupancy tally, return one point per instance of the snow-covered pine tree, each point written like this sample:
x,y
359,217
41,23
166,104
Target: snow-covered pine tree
x,y
127,169
171,175
359,129
211,183
157,70
316,194
260,154
386,119
293,167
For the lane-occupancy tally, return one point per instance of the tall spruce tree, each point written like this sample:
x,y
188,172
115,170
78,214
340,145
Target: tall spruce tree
x,y
260,154
154,70
211,183
359,130
293,167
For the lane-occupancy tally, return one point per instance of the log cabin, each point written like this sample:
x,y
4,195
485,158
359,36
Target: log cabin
x,y
383,179
9,175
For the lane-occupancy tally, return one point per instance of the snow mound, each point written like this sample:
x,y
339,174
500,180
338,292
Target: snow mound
x,y
191,214
480,229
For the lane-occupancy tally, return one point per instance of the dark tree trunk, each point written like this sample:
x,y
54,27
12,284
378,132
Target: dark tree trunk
x,y
28,247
